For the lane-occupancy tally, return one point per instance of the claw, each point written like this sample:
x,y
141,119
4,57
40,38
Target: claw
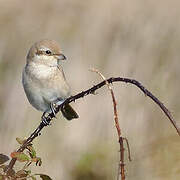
x,y
52,109
44,120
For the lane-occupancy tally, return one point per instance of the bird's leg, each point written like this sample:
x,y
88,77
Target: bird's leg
x,y
53,109
44,120
59,101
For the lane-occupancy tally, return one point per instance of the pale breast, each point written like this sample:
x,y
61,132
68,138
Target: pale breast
x,y
50,81
33,93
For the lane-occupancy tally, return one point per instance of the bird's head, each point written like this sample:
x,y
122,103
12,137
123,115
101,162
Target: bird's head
x,y
46,52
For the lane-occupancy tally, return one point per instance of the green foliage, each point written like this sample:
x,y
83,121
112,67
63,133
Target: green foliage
x,y
3,158
20,156
28,157
44,177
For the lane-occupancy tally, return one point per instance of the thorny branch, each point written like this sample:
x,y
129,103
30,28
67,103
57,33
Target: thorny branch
x,y
92,91
121,167
114,101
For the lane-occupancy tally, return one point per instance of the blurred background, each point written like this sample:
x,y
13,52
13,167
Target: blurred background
x,y
139,39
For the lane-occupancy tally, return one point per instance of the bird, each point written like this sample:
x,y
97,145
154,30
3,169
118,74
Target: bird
x,y
44,81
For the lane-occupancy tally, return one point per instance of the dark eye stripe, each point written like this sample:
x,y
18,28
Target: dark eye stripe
x,y
41,52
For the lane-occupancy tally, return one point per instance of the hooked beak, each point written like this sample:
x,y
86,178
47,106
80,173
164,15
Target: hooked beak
x,y
61,57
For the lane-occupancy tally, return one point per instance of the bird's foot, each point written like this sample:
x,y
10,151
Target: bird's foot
x,y
44,120
53,108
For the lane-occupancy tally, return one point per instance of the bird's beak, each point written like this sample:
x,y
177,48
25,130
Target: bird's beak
x,y
61,57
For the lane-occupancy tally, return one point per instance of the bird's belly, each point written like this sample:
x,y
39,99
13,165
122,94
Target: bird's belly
x,y
35,98
41,92
42,98
50,95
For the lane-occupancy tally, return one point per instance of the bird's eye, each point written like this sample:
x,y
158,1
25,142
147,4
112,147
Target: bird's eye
x,y
48,52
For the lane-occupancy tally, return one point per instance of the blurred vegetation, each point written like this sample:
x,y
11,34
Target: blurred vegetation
x,y
137,39
92,165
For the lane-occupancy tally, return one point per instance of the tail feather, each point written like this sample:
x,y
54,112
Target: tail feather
x,y
68,112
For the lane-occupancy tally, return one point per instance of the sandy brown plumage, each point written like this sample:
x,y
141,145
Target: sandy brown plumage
x,y
44,80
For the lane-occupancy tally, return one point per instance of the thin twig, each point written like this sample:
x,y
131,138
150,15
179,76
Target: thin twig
x,y
121,167
128,147
92,91
122,164
113,99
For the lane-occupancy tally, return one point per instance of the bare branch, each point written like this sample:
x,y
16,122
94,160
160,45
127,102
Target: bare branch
x,y
114,102
91,91
121,167
129,152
